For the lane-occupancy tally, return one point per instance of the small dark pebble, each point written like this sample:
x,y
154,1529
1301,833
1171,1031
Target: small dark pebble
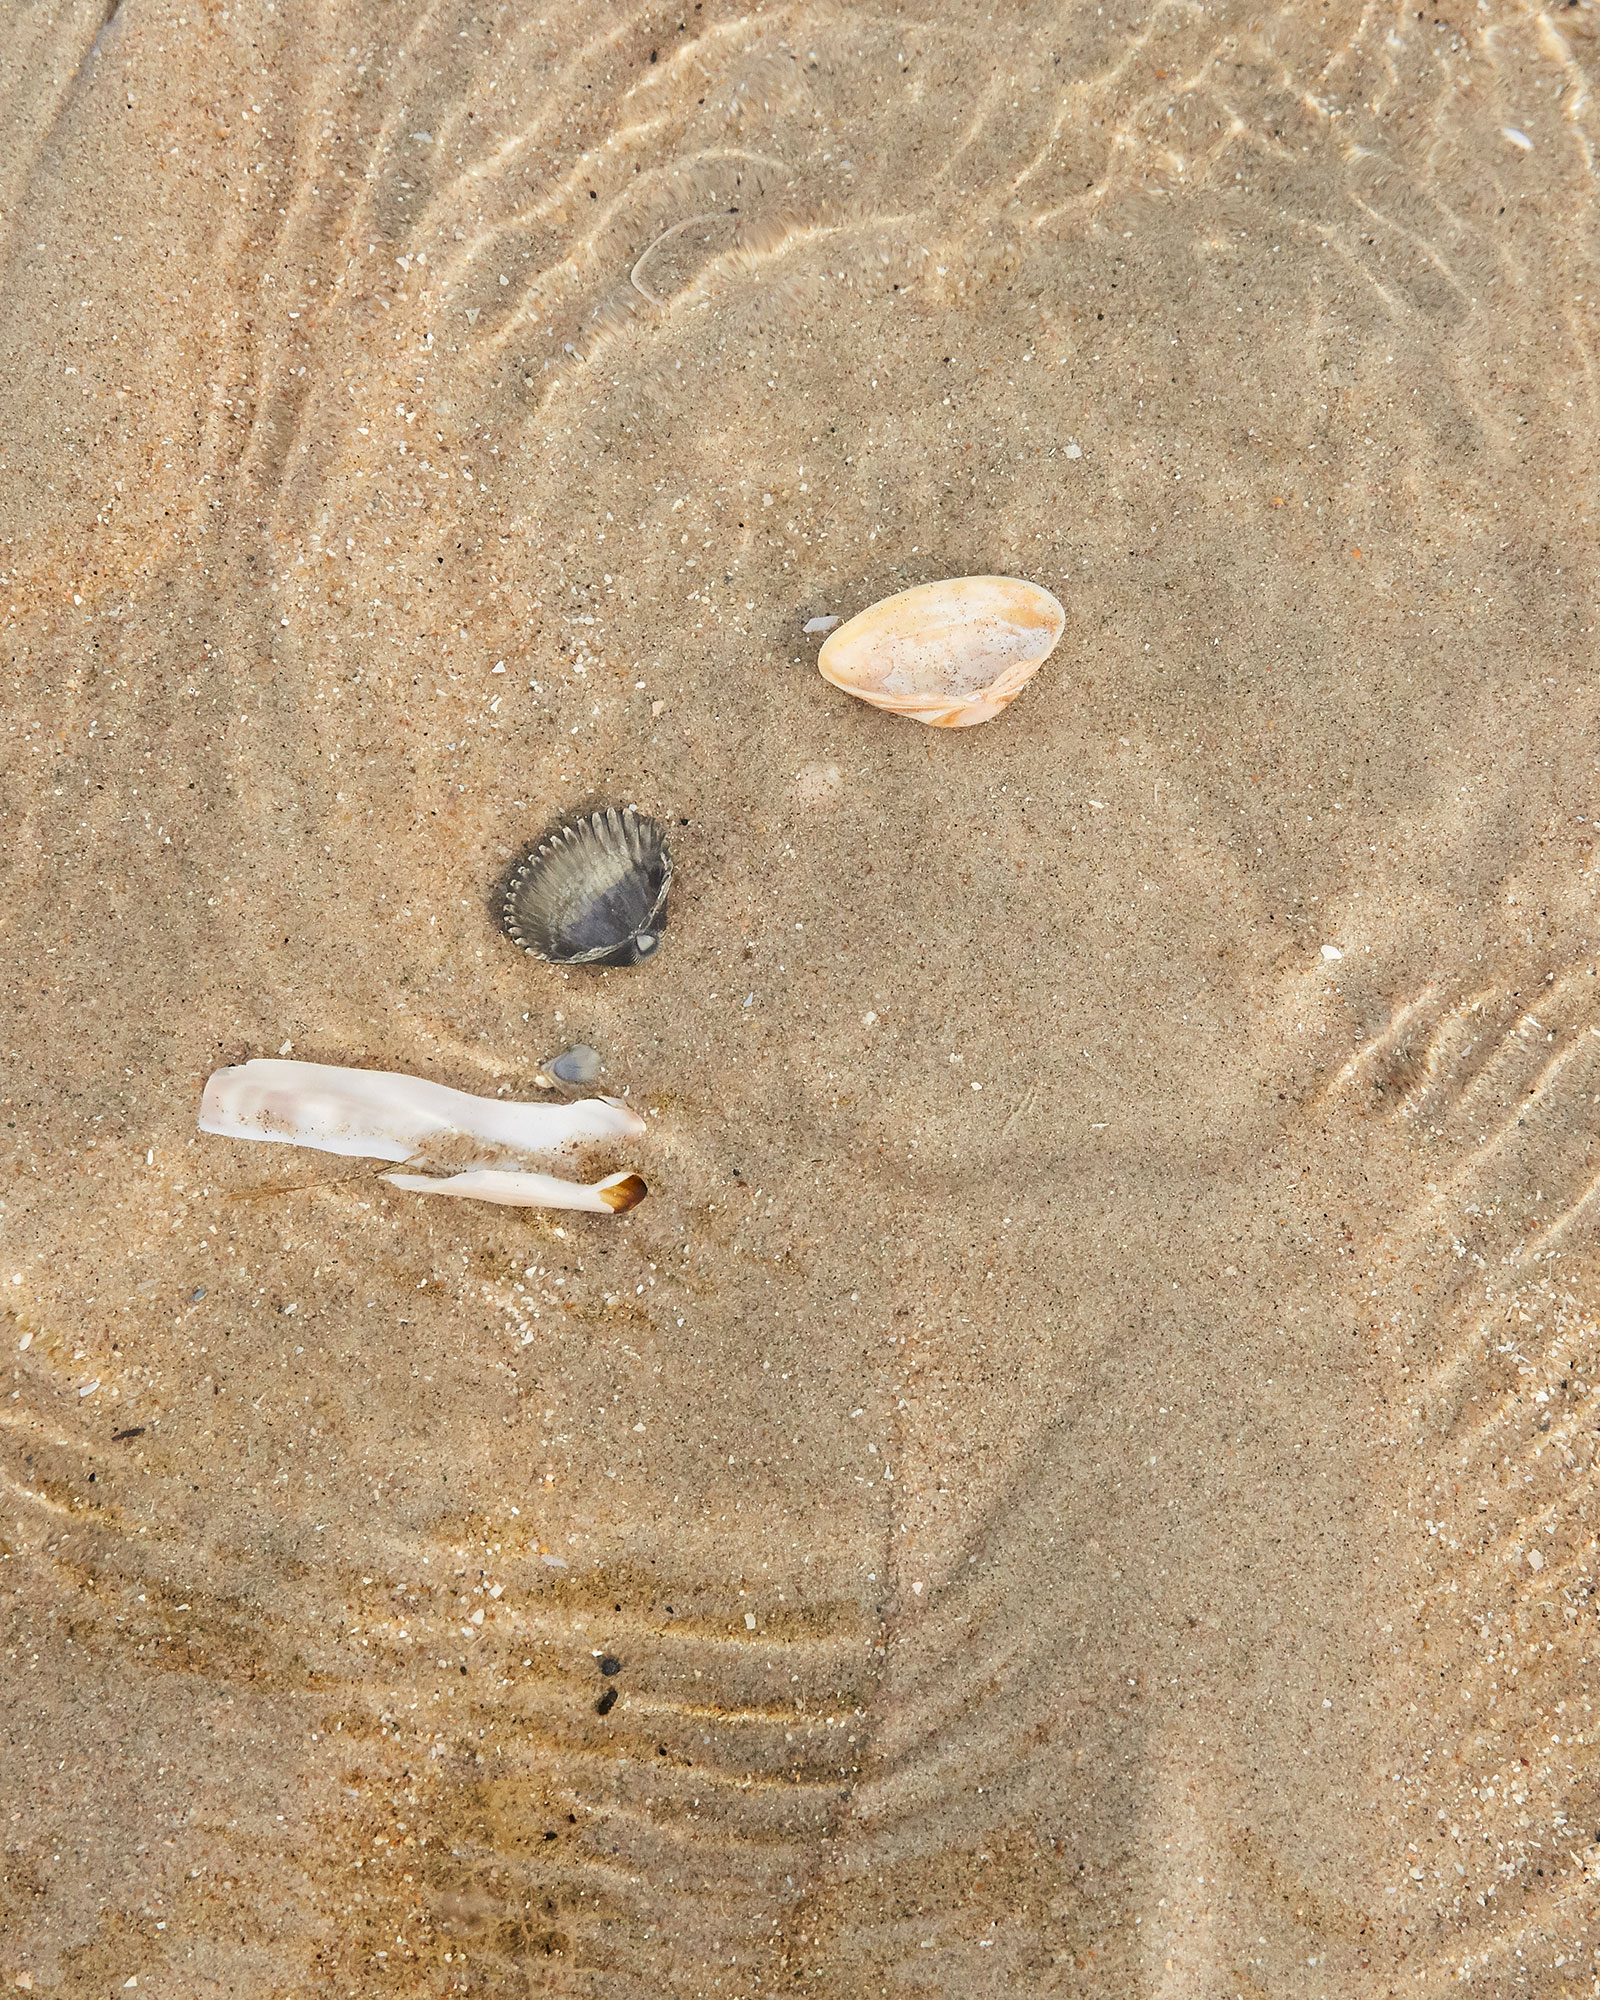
x,y
136,1432
550,1833
606,1703
610,1666
580,1064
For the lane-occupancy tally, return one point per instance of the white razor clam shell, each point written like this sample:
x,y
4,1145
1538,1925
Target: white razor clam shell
x,y
613,1196
380,1115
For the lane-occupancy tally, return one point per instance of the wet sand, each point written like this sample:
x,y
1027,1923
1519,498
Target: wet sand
x,y
1086,1458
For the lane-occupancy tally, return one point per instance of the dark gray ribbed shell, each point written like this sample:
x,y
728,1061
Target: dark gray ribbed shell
x,y
594,893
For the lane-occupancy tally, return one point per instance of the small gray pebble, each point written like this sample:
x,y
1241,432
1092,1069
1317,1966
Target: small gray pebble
x,y
578,1065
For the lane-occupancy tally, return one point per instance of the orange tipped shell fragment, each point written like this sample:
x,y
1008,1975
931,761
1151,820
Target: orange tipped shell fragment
x,y
951,654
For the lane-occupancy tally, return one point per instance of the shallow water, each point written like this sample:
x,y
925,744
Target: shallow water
x,y
1086,1458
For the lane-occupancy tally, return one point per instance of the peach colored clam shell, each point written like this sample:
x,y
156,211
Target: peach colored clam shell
x,y
951,654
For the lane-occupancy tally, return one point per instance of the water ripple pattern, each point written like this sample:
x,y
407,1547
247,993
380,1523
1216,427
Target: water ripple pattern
x,y
1081,1479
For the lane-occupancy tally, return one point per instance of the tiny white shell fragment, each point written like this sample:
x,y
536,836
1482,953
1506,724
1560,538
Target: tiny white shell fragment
x,y
1331,952
820,624
379,1115
615,1195
951,654
1516,137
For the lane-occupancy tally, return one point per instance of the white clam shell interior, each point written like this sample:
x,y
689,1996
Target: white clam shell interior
x,y
951,654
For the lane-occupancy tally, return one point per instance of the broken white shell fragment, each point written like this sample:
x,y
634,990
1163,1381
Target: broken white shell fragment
x,y
615,1195
377,1114
951,654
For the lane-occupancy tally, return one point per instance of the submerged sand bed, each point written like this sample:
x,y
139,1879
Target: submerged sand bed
x,y
1084,1463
